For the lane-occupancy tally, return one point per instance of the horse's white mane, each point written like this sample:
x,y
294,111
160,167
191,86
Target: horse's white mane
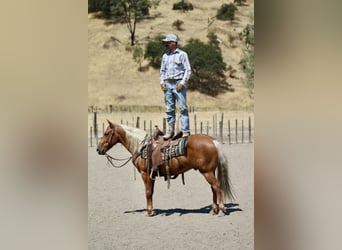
x,y
134,137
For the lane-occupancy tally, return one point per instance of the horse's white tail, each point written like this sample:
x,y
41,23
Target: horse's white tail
x,y
223,174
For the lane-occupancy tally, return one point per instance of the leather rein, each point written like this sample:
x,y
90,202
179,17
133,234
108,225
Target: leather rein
x,y
111,158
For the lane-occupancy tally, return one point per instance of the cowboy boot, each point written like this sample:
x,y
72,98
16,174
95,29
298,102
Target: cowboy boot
x,y
185,134
171,132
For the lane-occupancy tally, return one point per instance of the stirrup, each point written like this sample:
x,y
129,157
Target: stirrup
x,y
168,136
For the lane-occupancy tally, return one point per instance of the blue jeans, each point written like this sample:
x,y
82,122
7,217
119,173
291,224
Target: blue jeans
x,y
170,97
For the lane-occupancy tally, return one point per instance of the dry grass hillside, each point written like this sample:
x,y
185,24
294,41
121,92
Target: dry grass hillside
x,y
113,76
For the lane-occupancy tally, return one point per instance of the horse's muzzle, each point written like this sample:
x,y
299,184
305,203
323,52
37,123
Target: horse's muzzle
x,y
100,151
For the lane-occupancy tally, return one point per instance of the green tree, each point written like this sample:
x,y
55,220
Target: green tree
x,y
126,11
226,12
131,12
208,68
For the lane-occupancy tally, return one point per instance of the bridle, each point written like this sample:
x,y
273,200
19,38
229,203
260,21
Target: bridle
x,y
111,158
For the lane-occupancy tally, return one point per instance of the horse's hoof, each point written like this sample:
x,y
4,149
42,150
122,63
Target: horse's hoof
x,y
149,213
213,211
221,212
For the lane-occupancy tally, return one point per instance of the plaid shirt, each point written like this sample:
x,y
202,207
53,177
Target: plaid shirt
x,y
175,65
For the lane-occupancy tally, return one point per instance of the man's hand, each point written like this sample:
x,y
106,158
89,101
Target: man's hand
x,y
179,87
163,87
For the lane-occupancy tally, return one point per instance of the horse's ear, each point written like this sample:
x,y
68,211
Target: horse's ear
x,y
110,124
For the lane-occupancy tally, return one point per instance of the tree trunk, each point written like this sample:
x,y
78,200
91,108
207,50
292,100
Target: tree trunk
x,y
133,30
132,38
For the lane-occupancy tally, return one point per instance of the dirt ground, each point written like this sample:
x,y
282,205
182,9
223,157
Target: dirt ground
x,y
182,220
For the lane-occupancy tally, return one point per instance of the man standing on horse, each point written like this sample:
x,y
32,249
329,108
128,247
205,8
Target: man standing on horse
x,y
175,72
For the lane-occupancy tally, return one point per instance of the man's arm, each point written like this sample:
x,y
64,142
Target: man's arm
x,y
162,70
162,74
187,69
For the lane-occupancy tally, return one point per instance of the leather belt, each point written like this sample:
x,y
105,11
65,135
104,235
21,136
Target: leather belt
x,y
173,80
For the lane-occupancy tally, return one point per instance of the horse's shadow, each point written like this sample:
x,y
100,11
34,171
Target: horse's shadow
x,y
230,208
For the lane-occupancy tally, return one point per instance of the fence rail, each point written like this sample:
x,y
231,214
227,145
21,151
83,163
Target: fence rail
x,y
232,131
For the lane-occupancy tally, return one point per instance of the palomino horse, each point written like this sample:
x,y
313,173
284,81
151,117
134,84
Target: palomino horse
x,y
203,153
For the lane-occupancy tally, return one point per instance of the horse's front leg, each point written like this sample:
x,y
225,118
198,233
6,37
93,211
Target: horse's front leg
x,y
149,187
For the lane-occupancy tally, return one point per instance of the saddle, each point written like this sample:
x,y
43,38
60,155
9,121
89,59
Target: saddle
x,y
158,151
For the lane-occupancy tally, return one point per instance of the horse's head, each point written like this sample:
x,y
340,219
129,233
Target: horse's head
x,y
108,140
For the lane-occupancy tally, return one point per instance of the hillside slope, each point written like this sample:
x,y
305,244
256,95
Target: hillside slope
x,y
113,76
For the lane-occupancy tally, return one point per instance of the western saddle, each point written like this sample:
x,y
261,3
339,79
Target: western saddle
x,y
157,151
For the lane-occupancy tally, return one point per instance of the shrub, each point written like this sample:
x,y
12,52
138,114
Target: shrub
x,y
240,2
226,12
138,55
247,64
154,51
207,68
213,39
100,5
182,6
248,32
231,39
177,24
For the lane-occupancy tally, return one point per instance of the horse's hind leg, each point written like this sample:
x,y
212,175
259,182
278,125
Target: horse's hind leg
x,y
217,193
213,210
149,187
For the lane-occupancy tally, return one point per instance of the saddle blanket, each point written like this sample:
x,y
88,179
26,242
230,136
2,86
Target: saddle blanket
x,y
170,151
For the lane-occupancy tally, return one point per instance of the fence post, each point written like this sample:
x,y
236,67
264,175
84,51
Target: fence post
x,y
195,124
242,132
249,129
221,131
144,125
221,127
207,128
236,130
229,136
201,127
95,124
215,125
150,127
138,122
